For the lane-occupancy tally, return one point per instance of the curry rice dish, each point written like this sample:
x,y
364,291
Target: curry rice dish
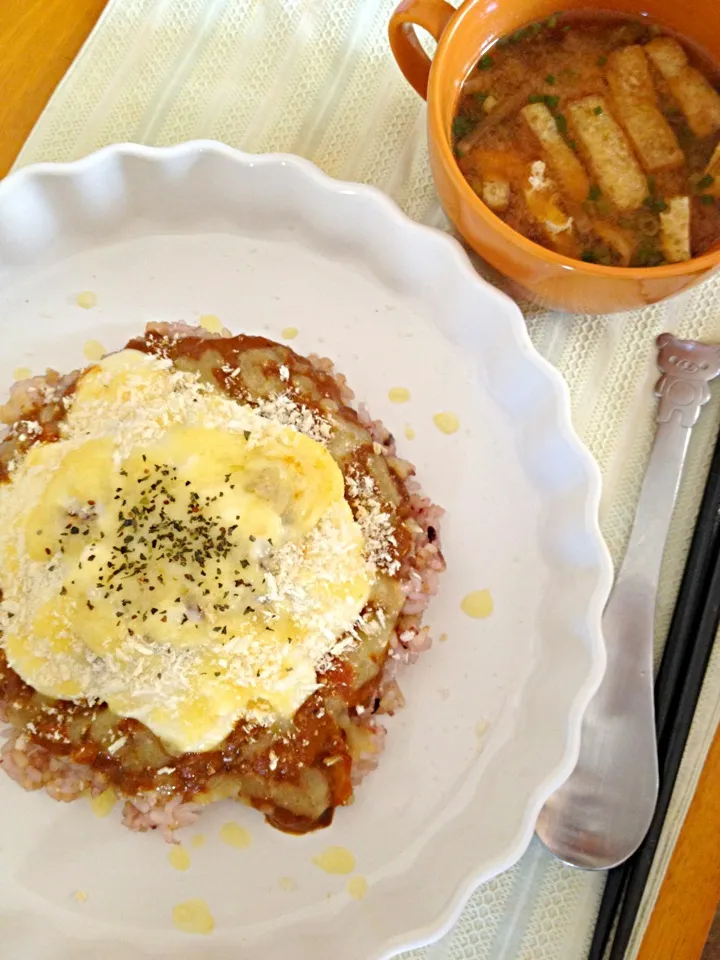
x,y
211,566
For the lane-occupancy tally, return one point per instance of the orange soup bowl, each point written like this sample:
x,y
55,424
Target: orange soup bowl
x,y
463,35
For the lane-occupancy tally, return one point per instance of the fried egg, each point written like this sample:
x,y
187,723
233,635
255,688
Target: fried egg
x,y
177,556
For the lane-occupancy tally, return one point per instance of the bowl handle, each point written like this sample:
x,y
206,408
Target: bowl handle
x,y
431,15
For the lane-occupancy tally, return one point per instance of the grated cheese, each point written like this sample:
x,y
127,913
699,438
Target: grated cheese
x,y
374,521
281,408
310,577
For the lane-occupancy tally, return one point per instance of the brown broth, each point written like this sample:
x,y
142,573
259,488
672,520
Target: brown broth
x,y
557,62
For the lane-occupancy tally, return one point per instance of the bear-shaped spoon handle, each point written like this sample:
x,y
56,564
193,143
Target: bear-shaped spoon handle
x,y
600,815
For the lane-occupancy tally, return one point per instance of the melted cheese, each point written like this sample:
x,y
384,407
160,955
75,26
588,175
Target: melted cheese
x,y
177,556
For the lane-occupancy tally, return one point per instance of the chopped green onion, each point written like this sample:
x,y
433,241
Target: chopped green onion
x,y
707,200
480,97
552,21
597,111
550,100
655,204
588,256
705,182
485,62
594,193
550,79
461,126
647,255
601,61
561,122
652,188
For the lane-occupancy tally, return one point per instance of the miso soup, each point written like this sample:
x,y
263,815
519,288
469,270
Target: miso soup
x,y
597,136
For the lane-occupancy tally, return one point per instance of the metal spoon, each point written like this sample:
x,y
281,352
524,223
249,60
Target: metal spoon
x,y
598,818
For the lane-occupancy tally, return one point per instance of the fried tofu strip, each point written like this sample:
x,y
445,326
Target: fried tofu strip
x,y
611,157
491,172
695,96
635,105
563,161
540,194
675,230
713,170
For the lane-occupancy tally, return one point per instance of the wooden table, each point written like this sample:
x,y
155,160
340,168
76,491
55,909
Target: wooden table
x,y
38,41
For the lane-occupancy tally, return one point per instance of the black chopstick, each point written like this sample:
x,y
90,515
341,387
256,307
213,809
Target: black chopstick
x,y
642,862
693,591
612,895
677,688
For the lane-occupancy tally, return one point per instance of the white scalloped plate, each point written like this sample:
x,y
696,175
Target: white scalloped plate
x,y
493,715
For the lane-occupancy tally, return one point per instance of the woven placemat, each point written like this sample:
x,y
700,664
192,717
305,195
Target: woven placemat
x,y
315,77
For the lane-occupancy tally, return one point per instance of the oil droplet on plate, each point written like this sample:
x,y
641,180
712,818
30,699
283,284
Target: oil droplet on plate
x,y
335,860
179,858
447,422
398,394
80,895
234,835
289,333
211,323
481,728
409,433
478,604
288,884
193,916
102,805
357,887
443,638
87,299
198,841
94,350
22,373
